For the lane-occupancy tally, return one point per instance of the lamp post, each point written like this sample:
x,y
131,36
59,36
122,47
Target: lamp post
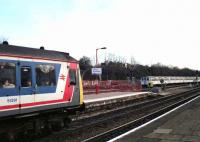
x,y
97,85
97,54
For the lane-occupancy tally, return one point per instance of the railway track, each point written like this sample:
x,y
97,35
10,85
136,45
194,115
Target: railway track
x,y
102,107
110,134
105,126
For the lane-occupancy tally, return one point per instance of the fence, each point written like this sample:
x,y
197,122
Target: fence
x,y
89,87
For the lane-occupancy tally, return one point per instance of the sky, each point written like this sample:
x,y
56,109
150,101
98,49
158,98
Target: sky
x,y
151,31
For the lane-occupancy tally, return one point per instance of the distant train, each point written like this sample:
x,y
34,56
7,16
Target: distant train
x,y
157,80
34,81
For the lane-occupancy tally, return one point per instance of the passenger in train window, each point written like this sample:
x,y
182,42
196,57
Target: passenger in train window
x,y
7,70
45,75
47,83
8,84
50,83
28,83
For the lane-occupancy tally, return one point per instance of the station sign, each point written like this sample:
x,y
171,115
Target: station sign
x,y
96,71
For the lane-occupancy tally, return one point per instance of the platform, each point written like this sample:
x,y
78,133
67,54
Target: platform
x,y
181,125
111,95
95,101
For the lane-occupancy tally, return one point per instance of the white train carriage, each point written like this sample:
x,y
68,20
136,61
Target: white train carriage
x,y
156,80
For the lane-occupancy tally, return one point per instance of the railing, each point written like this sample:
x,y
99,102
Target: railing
x,y
89,87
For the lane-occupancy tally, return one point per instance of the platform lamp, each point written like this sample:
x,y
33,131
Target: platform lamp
x,y
97,85
97,54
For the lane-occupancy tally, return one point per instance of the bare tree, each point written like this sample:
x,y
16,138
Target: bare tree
x,y
133,61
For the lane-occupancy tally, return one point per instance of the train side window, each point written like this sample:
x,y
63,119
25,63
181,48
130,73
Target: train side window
x,y
72,76
7,75
45,75
26,78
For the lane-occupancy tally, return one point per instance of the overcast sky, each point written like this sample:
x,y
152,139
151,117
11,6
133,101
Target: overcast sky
x,y
165,31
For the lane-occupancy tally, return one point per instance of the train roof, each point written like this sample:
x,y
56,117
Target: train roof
x,y
40,53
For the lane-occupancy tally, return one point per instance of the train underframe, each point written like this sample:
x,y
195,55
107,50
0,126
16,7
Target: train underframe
x,y
22,127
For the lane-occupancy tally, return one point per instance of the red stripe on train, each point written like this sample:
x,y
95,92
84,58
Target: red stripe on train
x,y
32,104
8,107
42,103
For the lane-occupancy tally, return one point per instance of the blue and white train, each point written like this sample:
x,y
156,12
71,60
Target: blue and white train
x,y
37,87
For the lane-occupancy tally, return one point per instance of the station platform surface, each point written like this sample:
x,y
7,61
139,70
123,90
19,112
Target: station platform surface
x,y
181,125
111,95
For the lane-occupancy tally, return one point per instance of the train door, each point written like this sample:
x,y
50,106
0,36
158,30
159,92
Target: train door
x,y
27,94
72,76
